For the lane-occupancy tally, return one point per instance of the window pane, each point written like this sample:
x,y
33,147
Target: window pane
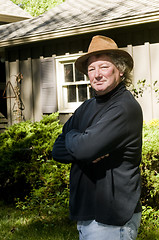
x,y
68,70
71,92
79,76
82,92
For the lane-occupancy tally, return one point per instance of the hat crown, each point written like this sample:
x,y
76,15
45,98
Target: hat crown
x,y
103,45
100,43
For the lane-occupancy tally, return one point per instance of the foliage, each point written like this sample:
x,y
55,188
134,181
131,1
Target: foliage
x,y
50,193
26,159
149,224
31,178
36,8
150,164
139,88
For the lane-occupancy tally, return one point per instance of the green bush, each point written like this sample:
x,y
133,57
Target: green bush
x,y
149,224
31,178
25,153
150,164
51,191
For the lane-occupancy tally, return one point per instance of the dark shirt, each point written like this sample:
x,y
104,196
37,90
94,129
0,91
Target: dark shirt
x,y
107,191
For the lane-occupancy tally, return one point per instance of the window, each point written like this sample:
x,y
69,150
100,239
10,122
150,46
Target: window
x,y
73,86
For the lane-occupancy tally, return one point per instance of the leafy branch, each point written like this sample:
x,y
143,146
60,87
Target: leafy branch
x,y
36,8
139,88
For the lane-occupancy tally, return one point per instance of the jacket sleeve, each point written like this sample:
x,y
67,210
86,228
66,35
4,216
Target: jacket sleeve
x,y
106,135
59,151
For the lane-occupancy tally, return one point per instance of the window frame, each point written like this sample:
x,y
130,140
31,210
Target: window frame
x,y
63,105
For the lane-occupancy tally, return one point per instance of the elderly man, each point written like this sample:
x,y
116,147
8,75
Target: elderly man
x,y
103,141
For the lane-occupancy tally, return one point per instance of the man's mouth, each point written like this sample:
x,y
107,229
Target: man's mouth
x,y
100,82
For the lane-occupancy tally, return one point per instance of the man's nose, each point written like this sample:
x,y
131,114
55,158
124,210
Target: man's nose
x,y
98,73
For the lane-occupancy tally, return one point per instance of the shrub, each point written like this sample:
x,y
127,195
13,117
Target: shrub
x,y
51,191
149,224
150,164
30,177
24,149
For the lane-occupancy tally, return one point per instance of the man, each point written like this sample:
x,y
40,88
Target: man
x,y
103,141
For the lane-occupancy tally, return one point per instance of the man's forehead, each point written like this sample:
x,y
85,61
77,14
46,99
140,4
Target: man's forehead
x,y
99,57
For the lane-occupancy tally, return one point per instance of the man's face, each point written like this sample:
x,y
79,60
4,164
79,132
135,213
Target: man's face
x,y
103,74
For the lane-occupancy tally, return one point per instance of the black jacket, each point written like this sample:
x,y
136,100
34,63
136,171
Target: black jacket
x,y
107,191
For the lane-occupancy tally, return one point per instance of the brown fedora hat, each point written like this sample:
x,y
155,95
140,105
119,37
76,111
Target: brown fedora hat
x,y
100,45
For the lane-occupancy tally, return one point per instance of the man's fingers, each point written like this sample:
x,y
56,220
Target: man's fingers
x,y
100,158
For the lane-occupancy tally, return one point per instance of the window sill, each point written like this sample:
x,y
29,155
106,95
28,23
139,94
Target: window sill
x,y
67,111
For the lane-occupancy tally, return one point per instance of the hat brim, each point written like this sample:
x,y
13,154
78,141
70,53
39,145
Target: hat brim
x,y
81,62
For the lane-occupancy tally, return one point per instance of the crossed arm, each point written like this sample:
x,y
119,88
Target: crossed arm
x,y
95,143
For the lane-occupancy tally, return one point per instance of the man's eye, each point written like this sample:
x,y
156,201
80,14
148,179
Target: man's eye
x,y
90,69
104,66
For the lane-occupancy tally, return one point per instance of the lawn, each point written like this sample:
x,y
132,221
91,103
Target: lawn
x,y
23,225
18,225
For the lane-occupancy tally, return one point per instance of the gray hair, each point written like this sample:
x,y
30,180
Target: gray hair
x,y
120,63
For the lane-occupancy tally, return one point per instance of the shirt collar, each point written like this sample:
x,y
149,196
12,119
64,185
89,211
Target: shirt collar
x,y
105,97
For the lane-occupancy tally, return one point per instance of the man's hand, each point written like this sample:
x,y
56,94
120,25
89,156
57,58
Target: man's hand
x,y
100,158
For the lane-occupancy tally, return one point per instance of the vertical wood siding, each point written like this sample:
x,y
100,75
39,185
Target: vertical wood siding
x,y
27,88
146,66
39,84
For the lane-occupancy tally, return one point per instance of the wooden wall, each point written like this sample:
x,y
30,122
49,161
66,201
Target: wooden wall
x,y
141,41
146,67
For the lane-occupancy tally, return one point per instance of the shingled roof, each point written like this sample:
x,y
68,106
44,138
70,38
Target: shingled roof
x,y
10,12
80,16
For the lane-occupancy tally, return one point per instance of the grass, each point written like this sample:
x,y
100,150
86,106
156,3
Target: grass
x,y
18,225
24,225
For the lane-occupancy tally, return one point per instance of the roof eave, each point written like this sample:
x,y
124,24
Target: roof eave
x,y
11,18
80,30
